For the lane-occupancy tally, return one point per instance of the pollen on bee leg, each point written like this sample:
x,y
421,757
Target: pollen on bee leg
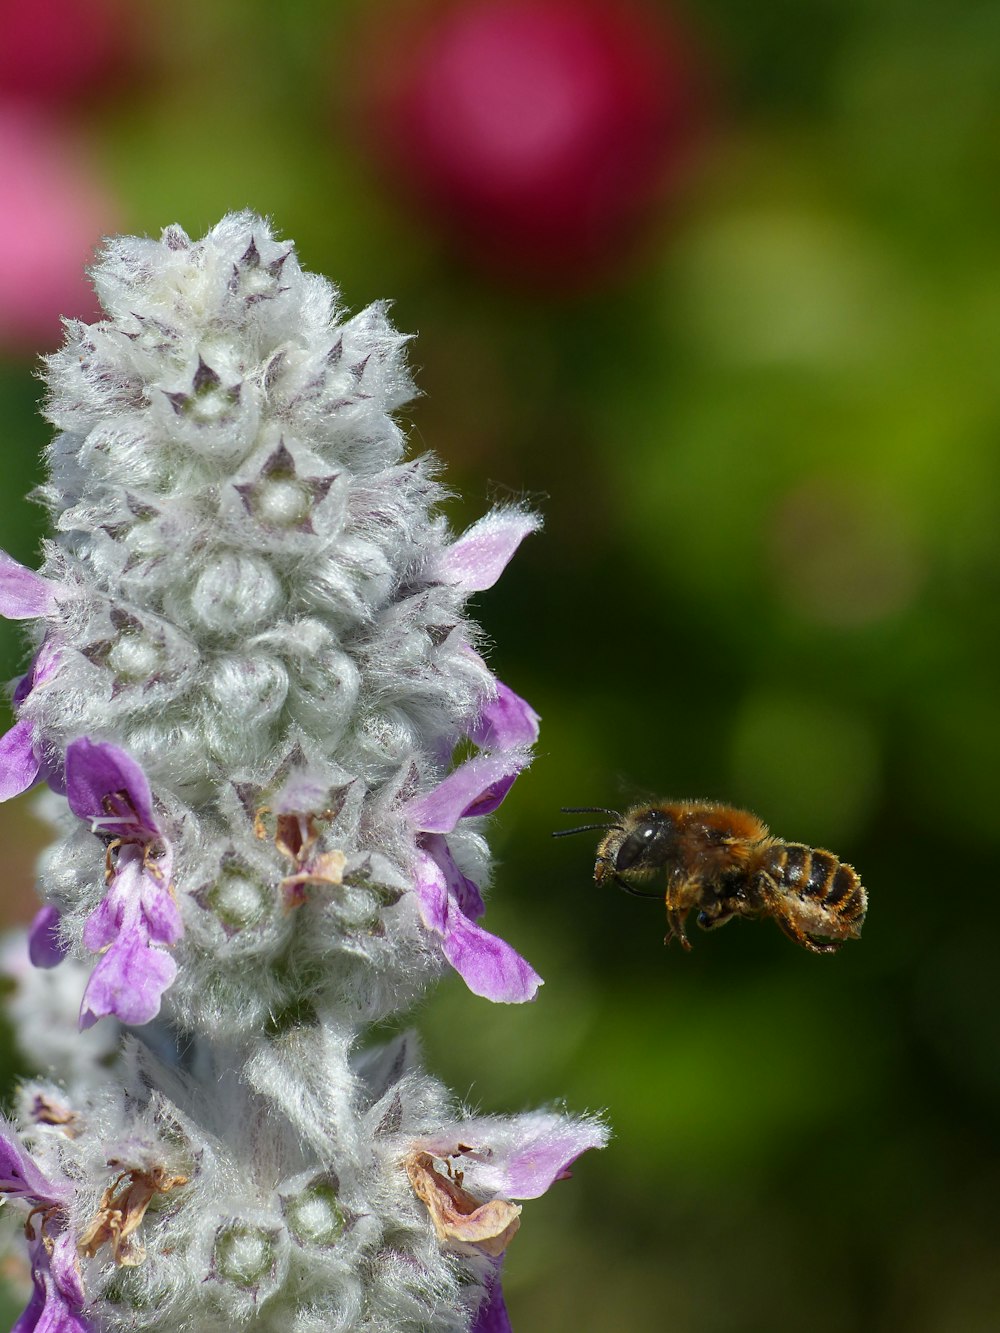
x,y
460,1220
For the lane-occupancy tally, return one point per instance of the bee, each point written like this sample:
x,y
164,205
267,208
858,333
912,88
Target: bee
x,y
723,863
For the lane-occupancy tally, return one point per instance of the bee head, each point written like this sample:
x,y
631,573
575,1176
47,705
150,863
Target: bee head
x,y
647,840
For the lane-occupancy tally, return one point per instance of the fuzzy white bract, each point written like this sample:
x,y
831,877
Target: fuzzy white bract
x,y
252,672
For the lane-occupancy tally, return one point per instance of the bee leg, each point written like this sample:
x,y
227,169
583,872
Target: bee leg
x,y
675,927
680,899
780,914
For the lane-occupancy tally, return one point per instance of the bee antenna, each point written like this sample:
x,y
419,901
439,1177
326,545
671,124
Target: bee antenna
x,y
589,810
583,828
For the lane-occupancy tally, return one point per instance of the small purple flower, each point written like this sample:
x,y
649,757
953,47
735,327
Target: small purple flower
x,y
449,902
131,976
497,1160
107,788
476,787
58,1296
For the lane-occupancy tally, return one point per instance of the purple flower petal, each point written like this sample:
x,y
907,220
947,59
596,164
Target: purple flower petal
x,y
159,908
66,1270
43,668
24,595
492,1316
105,921
130,978
464,891
45,948
505,723
540,1148
431,889
19,764
58,1296
474,788
107,787
487,965
31,1316
477,559
19,1176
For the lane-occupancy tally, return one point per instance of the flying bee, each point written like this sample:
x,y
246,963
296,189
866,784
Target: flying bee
x,y
723,863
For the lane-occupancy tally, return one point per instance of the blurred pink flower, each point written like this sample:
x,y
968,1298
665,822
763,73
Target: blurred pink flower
x,y
54,213
539,133
52,51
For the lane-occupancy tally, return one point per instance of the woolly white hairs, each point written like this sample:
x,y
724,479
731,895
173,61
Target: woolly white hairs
x,y
252,668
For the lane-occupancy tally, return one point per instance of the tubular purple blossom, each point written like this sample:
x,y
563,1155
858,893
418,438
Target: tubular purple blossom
x,y
449,902
108,789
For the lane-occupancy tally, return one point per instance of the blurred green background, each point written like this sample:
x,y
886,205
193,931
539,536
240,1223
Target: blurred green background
x,y
766,443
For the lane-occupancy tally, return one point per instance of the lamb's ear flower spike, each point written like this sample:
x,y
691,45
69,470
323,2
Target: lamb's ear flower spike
x,y
252,668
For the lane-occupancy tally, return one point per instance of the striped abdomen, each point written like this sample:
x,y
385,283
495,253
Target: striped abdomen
x,y
833,902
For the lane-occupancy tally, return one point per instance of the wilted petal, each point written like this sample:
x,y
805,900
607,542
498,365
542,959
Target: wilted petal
x,y
19,1176
474,788
460,1220
505,723
45,948
24,595
130,978
19,764
106,786
478,558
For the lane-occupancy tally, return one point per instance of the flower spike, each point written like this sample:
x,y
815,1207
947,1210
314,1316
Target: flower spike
x,y
272,757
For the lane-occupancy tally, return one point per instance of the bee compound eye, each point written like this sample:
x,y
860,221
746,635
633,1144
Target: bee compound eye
x,y
635,846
